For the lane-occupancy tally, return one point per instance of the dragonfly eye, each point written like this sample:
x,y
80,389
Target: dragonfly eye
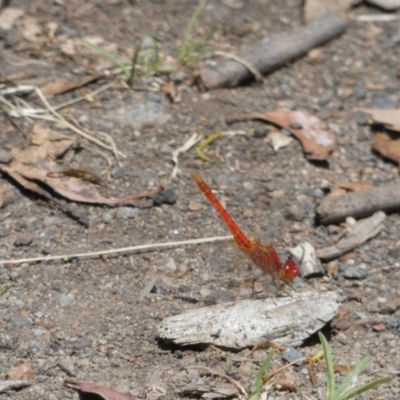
x,y
290,270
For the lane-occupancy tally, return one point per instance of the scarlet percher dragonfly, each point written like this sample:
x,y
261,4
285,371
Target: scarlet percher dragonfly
x,y
263,255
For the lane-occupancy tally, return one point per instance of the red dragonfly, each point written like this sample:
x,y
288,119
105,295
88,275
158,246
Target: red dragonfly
x,y
263,255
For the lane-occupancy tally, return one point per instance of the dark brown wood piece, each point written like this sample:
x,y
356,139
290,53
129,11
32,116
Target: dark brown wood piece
x,y
359,204
274,52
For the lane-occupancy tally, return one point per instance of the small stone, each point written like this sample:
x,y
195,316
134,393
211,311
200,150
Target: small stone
x,y
158,288
260,133
167,196
379,327
117,172
290,354
181,270
155,97
127,213
359,92
248,213
277,194
107,217
65,299
24,239
382,102
349,271
166,150
295,213
67,366
195,206
360,315
5,157
79,344
170,265
19,321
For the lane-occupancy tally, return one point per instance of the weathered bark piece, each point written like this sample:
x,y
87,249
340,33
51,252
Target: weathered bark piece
x,y
13,385
274,52
309,263
285,320
357,235
388,5
359,204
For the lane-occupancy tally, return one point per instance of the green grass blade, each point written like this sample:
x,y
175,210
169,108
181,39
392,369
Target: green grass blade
x,y
184,48
350,379
258,384
135,56
104,53
367,386
329,365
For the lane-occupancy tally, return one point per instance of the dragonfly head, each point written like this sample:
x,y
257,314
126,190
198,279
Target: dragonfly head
x,y
289,270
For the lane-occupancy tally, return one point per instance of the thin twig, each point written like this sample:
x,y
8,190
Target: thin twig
x,y
92,94
144,247
185,147
257,75
216,373
80,132
27,111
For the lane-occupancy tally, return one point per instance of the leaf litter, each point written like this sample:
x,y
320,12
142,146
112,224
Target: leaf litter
x,y
317,139
36,167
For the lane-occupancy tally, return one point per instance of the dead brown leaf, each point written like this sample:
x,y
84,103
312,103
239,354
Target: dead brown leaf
x,y
352,186
62,85
37,163
21,372
103,391
285,383
387,146
388,117
317,139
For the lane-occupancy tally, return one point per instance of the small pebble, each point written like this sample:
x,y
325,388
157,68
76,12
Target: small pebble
x,y
167,196
65,299
107,217
349,271
195,206
24,239
117,172
290,354
170,265
127,213
19,321
181,270
260,133
277,194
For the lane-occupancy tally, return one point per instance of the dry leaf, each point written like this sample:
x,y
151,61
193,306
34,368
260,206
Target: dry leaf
x,y
285,383
103,391
20,372
62,85
9,16
37,162
387,146
388,117
317,139
353,186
